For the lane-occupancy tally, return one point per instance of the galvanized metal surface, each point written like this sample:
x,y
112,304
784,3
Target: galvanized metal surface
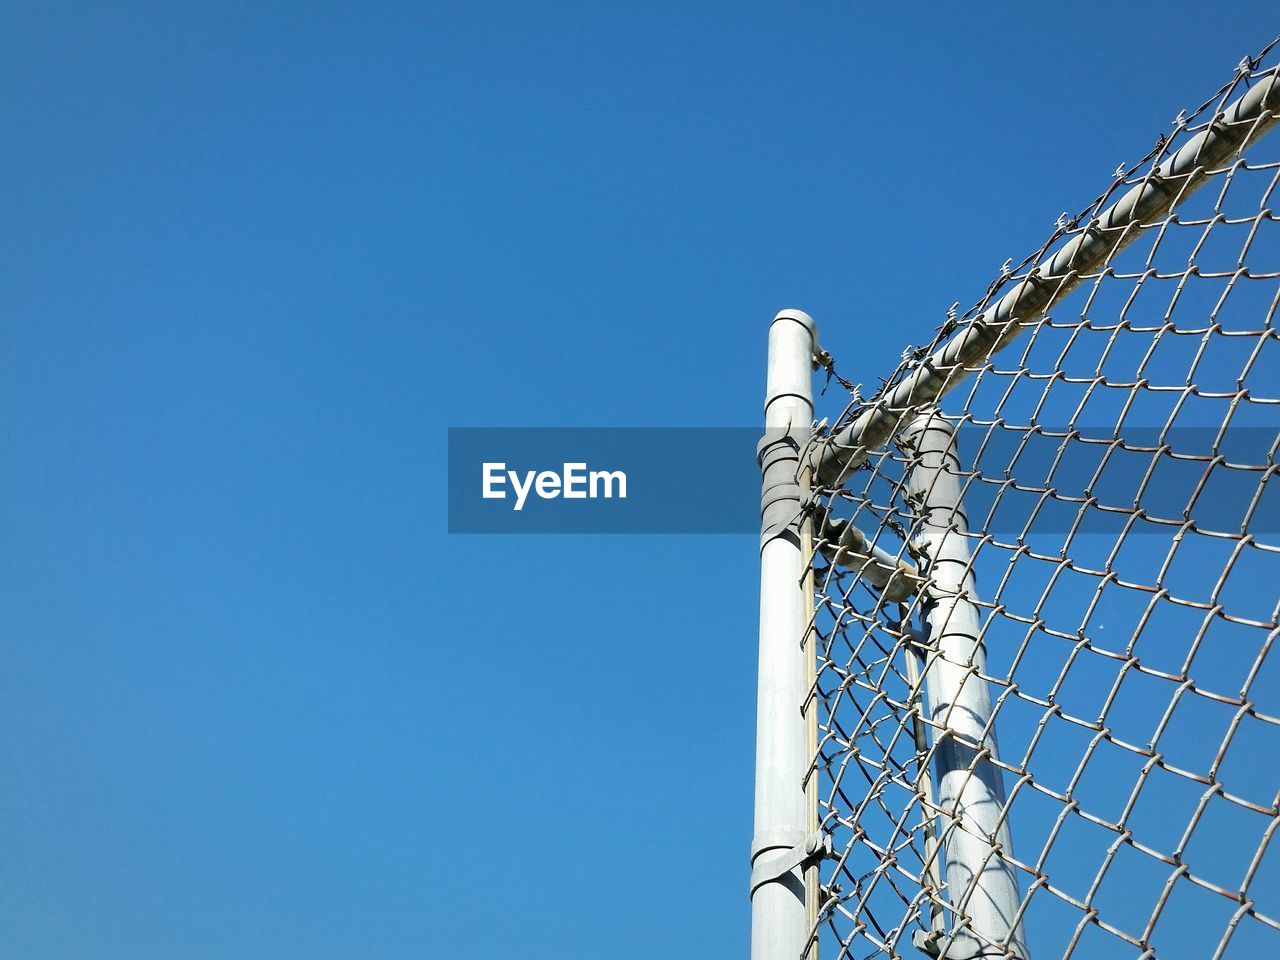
x,y
981,885
1105,234
1118,638
783,906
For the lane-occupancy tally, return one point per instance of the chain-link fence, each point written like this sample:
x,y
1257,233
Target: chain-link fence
x,y
1047,582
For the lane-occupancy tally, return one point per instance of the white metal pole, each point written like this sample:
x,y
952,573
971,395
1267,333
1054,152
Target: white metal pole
x,y
785,847
981,886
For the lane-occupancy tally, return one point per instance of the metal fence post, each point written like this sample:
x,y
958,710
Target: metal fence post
x,y
786,846
981,887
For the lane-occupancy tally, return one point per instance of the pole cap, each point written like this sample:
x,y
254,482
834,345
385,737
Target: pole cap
x,y
802,318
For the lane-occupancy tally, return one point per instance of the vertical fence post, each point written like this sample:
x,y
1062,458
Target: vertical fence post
x,y
785,847
981,887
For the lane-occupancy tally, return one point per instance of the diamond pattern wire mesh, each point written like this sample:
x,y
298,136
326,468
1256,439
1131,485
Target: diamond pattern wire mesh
x,y
1118,461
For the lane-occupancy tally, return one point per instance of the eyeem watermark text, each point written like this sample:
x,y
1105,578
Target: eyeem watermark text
x,y
574,482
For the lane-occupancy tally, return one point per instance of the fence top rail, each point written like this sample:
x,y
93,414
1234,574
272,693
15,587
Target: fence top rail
x,y
1227,132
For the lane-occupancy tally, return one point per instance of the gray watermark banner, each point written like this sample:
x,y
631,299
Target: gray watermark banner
x,y
673,480
706,480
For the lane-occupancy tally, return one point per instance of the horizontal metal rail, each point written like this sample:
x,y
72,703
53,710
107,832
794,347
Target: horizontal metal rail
x,y
1164,188
844,545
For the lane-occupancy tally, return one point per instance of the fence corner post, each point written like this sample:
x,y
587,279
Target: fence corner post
x,y
784,884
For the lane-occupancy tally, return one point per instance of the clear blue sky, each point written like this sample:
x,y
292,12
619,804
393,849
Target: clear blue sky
x,y
254,702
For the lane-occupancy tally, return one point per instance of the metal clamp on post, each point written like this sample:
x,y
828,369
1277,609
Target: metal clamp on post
x,y
781,496
770,863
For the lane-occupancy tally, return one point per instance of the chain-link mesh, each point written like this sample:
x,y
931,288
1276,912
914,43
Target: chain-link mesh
x,y
1121,565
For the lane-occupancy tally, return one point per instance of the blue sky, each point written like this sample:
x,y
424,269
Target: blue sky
x,y
254,701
